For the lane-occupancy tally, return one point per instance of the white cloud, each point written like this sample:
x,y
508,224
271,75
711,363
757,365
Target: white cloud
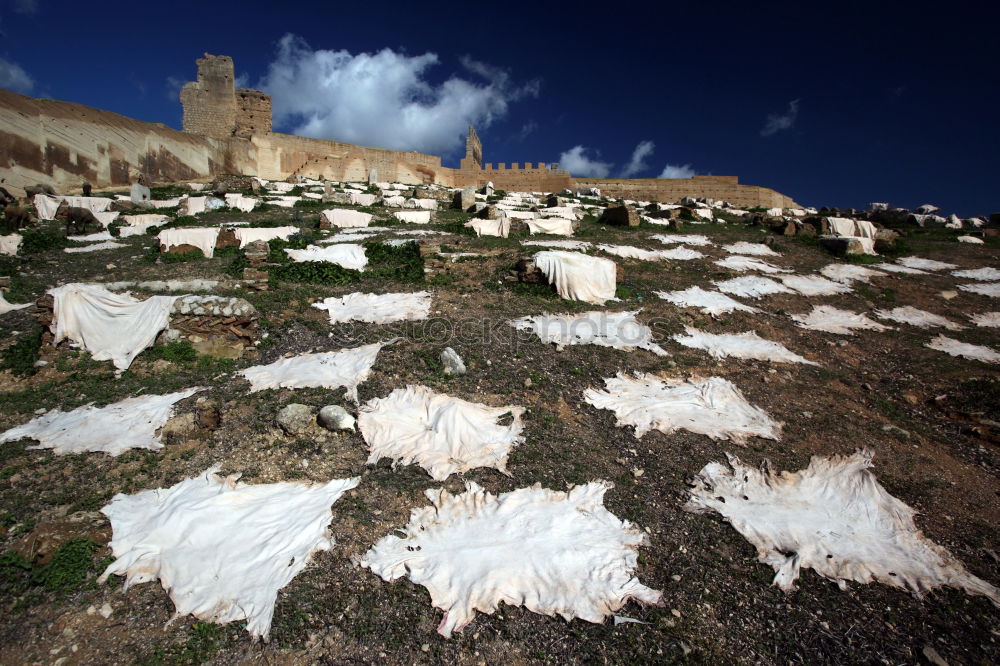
x,y
13,77
578,164
675,171
776,123
173,88
638,161
383,99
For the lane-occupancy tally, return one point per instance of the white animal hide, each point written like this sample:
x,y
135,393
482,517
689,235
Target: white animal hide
x,y
556,226
963,349
241,202
110,326
757,249
924,264
985,274
833,517
377,308
106,245
741,263
345,217
752,286
552,552
830,319
686,239
499,227
983,289
620,330
203,238
561,244
709,302
347,368
848,273
970,239
348,255
114,429
629,252
916,317
10,244
6,307
413,216
896,268
222,549
987,319
739,345
709,406
440,433
814,285
577,276
248,235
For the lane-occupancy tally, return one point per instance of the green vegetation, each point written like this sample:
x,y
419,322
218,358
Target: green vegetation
x,y
37,240
204,641
67,572
20,357
180,351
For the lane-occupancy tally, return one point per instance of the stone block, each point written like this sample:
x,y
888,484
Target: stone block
x,y
841,246
620,215
139,194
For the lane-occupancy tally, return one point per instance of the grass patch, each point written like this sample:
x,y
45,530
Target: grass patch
x,y
180,351
20,357
35,241
67,572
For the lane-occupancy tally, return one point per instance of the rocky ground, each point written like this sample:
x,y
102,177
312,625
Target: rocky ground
x,y
931,419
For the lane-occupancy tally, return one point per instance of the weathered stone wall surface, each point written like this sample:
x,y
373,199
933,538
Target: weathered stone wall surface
x,y
253,113
281,155
62,144
726,188
209,103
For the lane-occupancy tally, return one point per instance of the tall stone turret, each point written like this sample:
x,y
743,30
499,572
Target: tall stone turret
x,y
473,151
215,107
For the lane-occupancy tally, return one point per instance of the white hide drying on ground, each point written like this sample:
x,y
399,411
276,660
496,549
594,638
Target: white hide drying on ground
x,y
362,198
985,274
347,368
442,434
6,307
743,247
499,227
987,319
846,227
91,238
145,220
114,429
551,552
709,302
9,244
916,317
924,264
834,518
620,330
110,326
739,345
970,239
896,268
814,285
561,244
983,289
220,548
579,277
740,263
247,235
344,217
348,255
241,202
686,239
46,205
681,253
203,238
964,349
752,286
830,319
556,226
107,217
413,216
377,308
709,406
629,252
106,245
848,273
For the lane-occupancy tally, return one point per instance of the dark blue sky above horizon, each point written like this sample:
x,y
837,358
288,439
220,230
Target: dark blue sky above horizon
x,y
865,102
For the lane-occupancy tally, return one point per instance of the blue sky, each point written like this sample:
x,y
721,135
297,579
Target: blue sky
x,y
839,105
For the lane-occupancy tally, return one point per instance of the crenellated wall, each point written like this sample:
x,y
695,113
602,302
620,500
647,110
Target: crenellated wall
x,y
228,130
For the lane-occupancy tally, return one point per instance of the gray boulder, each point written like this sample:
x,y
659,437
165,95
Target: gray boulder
x,y
295,419
453,364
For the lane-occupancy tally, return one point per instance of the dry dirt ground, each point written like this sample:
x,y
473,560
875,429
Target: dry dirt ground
x,y
930,418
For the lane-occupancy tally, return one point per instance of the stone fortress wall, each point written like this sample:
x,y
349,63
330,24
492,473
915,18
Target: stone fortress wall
x,y
228,130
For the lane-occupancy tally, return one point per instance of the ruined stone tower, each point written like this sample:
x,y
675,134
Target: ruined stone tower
x,y
473,151
215,107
